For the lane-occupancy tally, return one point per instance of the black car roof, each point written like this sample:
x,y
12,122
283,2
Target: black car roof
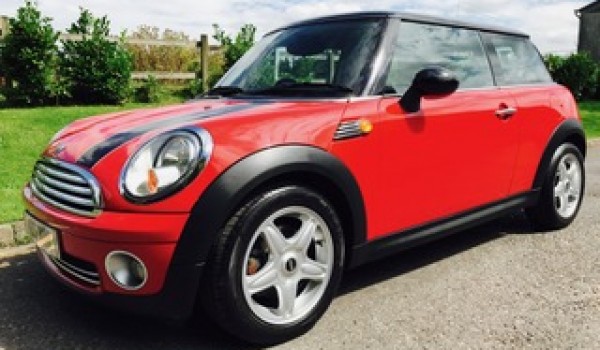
x,y
405,16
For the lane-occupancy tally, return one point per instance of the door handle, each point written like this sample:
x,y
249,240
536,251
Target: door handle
x,y
505,112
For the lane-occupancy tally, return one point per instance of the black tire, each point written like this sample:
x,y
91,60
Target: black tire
x,y
544,215
223,294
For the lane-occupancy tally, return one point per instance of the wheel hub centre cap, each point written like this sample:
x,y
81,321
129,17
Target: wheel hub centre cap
x,y
290,265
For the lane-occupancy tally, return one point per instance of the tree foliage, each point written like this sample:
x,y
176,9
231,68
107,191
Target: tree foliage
x,y
28,57
234,49
579,72
95,70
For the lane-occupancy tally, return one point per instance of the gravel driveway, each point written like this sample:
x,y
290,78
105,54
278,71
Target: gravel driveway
x,y
497,286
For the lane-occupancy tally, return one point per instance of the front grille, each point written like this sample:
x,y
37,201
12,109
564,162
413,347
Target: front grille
x,y
78,270
66,186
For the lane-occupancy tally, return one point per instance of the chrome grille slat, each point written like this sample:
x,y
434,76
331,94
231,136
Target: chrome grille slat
x,y
61,175
85,276
67,187
57,194
80,190
90,274
54,203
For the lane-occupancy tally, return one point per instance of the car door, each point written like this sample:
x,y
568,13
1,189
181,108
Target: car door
x,y
519,70
456,154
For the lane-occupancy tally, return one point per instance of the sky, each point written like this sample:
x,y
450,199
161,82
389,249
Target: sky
x,y
551,23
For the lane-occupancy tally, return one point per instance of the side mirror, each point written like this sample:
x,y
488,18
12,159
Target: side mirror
x,y
436,81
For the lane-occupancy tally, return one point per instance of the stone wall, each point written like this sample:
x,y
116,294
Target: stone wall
x,y
13,234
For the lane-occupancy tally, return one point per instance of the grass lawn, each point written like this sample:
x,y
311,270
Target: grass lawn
x,y
25,132
590,113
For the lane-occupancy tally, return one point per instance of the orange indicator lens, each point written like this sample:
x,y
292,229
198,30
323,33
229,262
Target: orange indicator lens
x,y
152,181
365,126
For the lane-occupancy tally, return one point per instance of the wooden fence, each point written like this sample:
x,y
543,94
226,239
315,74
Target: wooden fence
x,y
202,46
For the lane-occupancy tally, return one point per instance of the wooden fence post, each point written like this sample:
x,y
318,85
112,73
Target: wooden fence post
x,y
4,26
204,49
4,29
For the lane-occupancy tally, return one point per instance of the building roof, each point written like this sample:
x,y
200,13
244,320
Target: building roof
x,y
593,7
408,17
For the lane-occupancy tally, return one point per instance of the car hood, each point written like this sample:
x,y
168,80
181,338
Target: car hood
x,y
86,141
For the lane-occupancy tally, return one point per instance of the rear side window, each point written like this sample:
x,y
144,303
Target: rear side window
x,y
515,60
424,45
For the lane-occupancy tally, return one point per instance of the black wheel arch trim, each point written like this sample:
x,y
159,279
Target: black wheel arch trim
x,y
568,130
235,185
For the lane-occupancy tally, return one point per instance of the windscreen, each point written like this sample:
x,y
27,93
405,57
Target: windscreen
x,y
324,59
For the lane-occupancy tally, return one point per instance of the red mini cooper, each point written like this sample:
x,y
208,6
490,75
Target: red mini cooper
x,y
332,142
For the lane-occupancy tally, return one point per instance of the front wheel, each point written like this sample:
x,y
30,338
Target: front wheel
x,y
562,192
276,266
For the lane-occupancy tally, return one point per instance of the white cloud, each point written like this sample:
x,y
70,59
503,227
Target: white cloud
x,y
551,23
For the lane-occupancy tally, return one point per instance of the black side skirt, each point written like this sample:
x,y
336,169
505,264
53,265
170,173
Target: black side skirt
x,y
438,229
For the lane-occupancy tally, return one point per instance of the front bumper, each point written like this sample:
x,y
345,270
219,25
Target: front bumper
x,y
171,288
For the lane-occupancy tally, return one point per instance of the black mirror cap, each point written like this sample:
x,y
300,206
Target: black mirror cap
x,y
436,81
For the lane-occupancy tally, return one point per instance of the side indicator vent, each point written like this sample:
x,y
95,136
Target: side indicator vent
x,y
353,128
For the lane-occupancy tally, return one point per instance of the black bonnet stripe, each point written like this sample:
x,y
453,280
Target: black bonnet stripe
x,y
94,154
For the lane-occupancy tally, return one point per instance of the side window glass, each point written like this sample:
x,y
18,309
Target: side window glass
x,y
515,60
423,45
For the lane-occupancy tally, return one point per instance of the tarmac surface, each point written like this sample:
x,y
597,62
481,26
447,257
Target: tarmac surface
x,y
497,286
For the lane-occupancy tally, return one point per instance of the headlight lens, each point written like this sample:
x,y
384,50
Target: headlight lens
x,y
165,164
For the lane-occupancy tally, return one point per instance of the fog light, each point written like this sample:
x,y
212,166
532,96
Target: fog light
x,y
126,270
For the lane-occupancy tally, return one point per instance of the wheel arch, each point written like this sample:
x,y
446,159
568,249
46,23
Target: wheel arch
x,y
282,165
568,131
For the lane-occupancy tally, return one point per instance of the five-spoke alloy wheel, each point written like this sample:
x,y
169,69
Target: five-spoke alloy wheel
x,y
291,257
276,266
567,185
562,191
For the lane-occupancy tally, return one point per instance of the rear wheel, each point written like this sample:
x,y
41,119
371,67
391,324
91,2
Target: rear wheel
x,y
276,267
562,191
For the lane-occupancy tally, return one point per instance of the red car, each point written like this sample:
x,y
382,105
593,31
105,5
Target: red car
x,y
332,142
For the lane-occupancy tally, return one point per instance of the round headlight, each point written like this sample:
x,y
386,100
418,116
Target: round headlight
x,y
165,164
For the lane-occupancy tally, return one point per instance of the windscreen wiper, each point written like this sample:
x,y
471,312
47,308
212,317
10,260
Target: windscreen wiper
x,y
302,88
224,91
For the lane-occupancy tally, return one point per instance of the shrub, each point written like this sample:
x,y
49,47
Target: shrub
x,y
28,57
553,63
149,92
95,69
193,89
578,72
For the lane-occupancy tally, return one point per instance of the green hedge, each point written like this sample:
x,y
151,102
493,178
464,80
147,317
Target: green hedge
x,y
579,72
